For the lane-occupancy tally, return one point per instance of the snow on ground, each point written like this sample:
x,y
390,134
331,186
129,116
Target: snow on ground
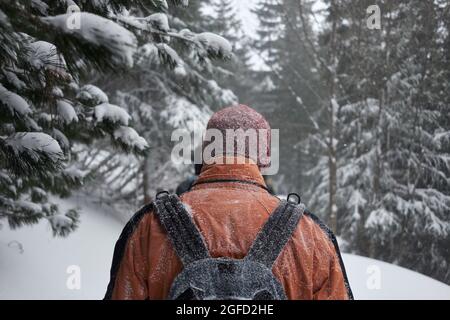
x,y
373,280
33,264
40,271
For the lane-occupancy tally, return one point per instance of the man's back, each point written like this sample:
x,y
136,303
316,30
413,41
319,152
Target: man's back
x,y
229,204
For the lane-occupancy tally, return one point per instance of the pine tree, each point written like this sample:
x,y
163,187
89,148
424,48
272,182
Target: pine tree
x,y
235,74
270,30
290,91
225,22
162,97
392,146
48,114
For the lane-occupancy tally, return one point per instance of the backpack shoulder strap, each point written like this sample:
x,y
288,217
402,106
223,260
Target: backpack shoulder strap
x,y
181,229
276,232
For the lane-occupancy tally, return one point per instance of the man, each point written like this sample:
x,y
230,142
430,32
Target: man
x,y
229,204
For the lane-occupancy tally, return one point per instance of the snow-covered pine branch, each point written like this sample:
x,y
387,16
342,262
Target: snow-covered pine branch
x,y
13,104
130,138
31,153
45,50
98,32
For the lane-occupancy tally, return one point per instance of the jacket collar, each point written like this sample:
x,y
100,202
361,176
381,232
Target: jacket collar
x,y
231,168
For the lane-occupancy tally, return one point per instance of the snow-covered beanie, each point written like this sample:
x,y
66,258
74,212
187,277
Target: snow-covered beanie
x,y
245,118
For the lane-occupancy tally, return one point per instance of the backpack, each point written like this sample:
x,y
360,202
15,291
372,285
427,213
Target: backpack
x,y
207,278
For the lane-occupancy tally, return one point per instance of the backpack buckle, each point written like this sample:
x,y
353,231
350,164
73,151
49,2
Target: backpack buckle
x,y
161,194
291,196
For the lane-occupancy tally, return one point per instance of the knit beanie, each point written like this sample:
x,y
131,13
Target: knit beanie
x,y
237,124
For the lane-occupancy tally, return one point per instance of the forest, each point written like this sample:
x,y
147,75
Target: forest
x,y
91,91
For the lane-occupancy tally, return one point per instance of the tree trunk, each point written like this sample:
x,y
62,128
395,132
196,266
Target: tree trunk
x,y
146,168
332,154
332,167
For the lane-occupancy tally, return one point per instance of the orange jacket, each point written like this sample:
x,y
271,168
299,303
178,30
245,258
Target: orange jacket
x,y
229,215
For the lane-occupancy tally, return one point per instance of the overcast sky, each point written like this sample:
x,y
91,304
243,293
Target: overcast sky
x,y
250,23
